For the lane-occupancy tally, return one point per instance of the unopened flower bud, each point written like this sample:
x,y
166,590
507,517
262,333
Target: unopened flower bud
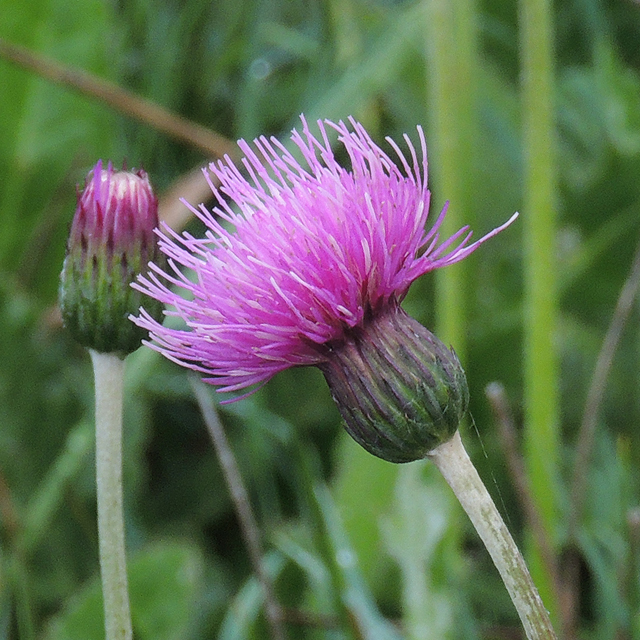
x,y
400,390
111,241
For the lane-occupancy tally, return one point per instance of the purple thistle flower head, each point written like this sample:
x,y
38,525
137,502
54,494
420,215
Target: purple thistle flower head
x,y
314,254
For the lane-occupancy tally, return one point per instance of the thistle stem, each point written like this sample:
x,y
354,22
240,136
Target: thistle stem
x,y
109,373
455,465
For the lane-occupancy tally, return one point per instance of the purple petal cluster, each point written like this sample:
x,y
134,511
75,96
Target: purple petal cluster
x,y
296,253
117,210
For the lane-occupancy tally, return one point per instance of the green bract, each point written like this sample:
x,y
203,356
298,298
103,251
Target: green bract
x,y
400,390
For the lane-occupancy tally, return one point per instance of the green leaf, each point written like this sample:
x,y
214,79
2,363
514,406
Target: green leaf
x,y
603,536
355,593
46,501
49,132
164,580
378,66
243,615
414,533
357,469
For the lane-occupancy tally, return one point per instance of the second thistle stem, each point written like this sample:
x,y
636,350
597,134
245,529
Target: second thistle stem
x,y
109,373
455,465
240,498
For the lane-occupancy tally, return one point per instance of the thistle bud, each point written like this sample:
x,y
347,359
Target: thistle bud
x,y
111,241
400,390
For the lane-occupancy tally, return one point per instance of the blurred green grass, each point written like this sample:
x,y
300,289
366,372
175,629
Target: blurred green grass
x,y
245,68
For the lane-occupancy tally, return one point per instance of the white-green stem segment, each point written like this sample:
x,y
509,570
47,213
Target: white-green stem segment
x,y
455,465
109,374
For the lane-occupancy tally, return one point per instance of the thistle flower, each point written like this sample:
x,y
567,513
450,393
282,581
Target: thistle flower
x,y
313,274
111,241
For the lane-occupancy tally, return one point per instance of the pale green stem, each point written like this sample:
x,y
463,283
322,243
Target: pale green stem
x,y
541,435
109,375
455,465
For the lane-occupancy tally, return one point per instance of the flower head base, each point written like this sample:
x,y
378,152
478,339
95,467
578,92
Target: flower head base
x,y
399,389
111,242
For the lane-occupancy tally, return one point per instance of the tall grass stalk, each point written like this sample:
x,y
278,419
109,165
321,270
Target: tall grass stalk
x,y
451,119
451,90
542,422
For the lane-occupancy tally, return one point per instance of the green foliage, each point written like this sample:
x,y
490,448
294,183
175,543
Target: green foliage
x,y
165,580
355,545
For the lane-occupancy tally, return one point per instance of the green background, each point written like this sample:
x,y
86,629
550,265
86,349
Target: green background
x,y
367,549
